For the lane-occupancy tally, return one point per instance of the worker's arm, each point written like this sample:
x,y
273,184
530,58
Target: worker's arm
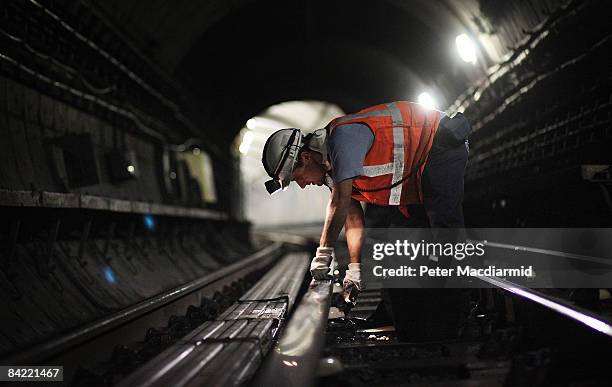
x,y
353,228
337,210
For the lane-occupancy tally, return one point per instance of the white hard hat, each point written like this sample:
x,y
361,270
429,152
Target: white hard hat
x,y
279,158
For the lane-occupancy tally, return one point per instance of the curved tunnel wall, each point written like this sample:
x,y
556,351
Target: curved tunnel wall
x,y
75,100
236,60
81,106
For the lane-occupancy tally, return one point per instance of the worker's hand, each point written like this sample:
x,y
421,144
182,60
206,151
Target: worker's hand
x,y
352,283
319,267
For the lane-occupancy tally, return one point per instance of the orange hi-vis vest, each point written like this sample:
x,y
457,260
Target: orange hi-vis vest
x,y
392,169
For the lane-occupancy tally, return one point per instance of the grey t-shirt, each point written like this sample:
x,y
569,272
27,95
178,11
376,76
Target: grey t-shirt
x,y
347,148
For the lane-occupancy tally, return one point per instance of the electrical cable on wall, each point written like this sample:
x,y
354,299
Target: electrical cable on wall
x,y
173,106
65,67
175,109
89,97
516,56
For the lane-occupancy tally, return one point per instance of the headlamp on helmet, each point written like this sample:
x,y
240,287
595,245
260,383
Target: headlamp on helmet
x,y
280,157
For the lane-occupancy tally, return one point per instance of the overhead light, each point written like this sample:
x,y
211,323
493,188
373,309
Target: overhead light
x,y
247,139
251,123
426,100
466,48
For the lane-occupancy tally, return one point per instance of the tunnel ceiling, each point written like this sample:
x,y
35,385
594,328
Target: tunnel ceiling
x,y
242,56
161,77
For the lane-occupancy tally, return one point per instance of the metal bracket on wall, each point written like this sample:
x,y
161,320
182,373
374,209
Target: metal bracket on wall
x,y
83,243
128,248
45,267
13,235
6,277
80,256
110,232
142,250
165,242
129,240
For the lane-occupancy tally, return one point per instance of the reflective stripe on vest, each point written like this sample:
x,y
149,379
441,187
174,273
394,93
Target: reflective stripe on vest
x,y
398,153
397,166
375,113
391,173
377,170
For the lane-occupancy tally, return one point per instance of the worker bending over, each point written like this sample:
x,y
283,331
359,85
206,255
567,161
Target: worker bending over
x,y
396,154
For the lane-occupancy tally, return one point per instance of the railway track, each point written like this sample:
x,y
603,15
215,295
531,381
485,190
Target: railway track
x,y
513,336
274,330
106,350
229,349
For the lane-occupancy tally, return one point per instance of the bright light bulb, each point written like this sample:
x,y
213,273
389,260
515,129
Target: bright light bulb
x,y
426,100
466,48
130,168
247,139
251,123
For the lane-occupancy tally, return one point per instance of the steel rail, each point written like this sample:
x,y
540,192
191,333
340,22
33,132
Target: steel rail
x,y
579,257
109,325
560,306
295,358
228,350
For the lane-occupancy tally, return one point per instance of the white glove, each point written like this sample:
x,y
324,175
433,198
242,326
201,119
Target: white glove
x,y
352,283
319,267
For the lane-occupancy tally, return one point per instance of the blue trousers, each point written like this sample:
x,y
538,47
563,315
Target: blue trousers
x,y
442,187
431,314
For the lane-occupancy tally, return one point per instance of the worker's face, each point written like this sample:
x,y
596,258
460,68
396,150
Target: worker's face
x,y
309,171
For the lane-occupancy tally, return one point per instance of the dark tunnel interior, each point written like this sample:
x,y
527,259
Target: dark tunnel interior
x,y
120,178
225,64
